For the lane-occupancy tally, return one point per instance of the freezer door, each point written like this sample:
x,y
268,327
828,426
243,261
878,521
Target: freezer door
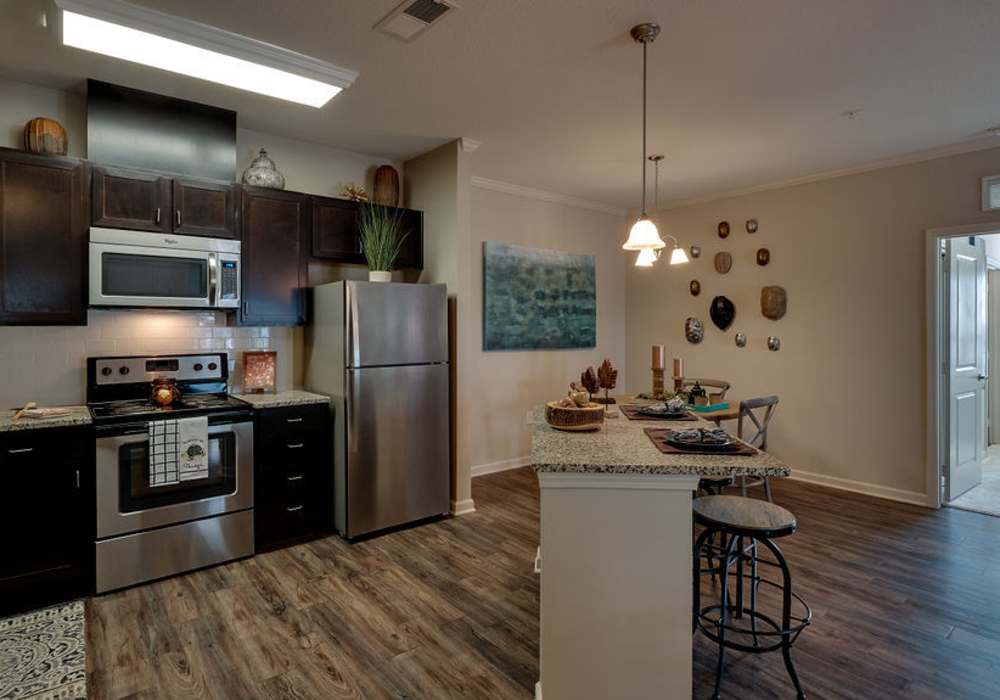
x,y
398,446
396,324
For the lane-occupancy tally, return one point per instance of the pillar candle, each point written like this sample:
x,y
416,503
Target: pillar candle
x,y
658,357
678,367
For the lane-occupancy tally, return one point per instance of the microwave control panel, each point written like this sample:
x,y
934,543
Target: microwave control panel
x,y
229,287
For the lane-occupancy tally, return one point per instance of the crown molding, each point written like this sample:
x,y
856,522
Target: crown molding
x,y
211,38
545,196
469,145
908,159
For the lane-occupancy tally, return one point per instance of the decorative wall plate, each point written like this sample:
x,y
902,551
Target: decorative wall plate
x,y
723,262
694,330
722,312
763,256
751,225
695,287
773,343
696,251
741,340
723,229
773,302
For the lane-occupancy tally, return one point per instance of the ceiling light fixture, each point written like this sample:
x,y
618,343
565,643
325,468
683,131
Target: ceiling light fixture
x,y
647,257
644,234
140,35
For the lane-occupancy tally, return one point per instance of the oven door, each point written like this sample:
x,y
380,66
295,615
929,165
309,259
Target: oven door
x,y
127,275
126,502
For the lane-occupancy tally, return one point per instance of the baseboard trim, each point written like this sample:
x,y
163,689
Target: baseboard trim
x,y
863,487
463,507
501,466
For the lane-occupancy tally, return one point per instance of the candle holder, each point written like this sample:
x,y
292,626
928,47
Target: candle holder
x,y
658,386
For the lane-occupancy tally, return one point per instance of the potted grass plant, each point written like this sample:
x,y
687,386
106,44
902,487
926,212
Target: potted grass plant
x,y
381,232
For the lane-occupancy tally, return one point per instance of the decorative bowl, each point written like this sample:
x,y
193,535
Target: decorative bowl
x,y
576,418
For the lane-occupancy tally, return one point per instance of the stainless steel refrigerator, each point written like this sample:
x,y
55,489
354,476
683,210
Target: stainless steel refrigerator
x,y
380,350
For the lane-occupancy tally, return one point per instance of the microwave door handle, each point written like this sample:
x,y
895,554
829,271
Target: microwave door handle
x,y
213,278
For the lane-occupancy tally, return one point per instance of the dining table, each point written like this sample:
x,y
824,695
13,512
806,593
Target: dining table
x,y
616,555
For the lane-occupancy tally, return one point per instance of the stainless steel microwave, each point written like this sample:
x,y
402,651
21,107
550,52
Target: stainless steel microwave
x,y
136,268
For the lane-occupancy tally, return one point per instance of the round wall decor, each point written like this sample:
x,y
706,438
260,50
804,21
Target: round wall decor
x,y
723,229
763,256
722,312
723,262
773,302
696,251
694,330
773,343
741,340
695,287
751,225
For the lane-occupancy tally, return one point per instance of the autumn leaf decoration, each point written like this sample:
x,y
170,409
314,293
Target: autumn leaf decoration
x,y
590,381
607,375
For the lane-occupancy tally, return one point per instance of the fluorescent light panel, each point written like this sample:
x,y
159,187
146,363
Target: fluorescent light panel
x,y
127,43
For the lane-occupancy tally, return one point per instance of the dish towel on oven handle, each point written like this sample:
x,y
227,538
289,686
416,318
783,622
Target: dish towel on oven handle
x,y
178,450
192,448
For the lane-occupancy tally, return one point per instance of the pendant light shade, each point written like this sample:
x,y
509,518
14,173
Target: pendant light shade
x,y
644,236
678,256
646,258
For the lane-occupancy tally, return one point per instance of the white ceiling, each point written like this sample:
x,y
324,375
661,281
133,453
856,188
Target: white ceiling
x,y
741,93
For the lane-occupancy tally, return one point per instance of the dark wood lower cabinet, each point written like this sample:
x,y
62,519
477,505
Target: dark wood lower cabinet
x,y
43,239
293,473
47,519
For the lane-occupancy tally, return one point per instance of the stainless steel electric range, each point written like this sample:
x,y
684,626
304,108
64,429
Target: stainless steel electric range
x,y
146,532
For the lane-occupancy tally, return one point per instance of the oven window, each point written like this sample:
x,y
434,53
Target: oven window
x,y
127,275
136,493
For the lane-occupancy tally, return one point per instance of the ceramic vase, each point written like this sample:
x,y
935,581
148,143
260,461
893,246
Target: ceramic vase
x,y
379,276
45,136
264,173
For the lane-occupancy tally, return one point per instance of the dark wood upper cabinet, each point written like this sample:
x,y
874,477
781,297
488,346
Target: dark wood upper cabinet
x,y
276,228
131,199
411,254
335,230
43,239
204,209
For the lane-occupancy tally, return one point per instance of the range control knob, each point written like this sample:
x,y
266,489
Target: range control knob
x,y
198,367
106,371
123,370
212,366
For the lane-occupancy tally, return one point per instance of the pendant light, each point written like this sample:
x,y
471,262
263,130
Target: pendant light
x,y
644,235
647,257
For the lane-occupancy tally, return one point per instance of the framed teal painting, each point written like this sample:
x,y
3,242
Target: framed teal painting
x,y
537,299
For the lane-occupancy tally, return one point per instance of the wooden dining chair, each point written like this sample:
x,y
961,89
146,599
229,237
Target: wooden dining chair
x,y
758,413
719,385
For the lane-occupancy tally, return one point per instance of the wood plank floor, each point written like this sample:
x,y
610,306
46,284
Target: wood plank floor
x,y
904,603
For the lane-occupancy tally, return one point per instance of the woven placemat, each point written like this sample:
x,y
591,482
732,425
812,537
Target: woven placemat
x,y
632,413
659,436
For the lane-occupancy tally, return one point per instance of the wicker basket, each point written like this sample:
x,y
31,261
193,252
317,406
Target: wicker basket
x,y
578,418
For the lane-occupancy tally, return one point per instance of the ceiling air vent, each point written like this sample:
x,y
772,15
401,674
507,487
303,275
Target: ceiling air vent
x,y
414,17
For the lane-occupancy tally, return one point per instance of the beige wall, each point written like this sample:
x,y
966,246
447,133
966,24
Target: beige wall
x,y
850,252
504,385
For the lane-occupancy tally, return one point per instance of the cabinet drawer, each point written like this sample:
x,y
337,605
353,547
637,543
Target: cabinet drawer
x,y
37,448
282,423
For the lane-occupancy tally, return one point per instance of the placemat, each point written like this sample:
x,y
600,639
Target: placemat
x,y
658,436
632,413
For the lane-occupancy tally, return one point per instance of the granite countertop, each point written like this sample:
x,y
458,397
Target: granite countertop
x,y
621,447
78,415
296,397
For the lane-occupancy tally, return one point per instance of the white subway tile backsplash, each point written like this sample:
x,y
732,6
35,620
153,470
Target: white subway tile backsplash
x,y
47,364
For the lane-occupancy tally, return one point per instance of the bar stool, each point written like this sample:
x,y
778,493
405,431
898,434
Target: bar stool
x,y
741,524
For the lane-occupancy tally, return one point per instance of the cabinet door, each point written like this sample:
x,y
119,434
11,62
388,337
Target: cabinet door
x,y
335,230
46,518
411,254
43,239
131,199
204,208
276,227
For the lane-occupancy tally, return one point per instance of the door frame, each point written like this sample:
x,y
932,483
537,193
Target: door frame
x,y
935,344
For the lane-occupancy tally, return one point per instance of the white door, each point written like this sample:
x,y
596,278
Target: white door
x,y
965,272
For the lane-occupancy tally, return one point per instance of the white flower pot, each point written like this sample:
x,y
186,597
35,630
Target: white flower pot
x,y
379,276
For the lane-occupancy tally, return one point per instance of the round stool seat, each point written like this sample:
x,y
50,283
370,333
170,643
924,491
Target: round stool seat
x,y
747,515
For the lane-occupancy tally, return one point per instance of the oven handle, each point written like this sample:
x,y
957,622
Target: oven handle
x,y
213,278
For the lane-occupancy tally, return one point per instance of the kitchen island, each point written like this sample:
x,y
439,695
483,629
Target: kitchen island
x,y
616,540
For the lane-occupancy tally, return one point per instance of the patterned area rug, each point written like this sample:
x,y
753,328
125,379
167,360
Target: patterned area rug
x,y
43,655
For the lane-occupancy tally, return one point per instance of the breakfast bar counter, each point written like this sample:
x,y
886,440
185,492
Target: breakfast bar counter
x,y
616,567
